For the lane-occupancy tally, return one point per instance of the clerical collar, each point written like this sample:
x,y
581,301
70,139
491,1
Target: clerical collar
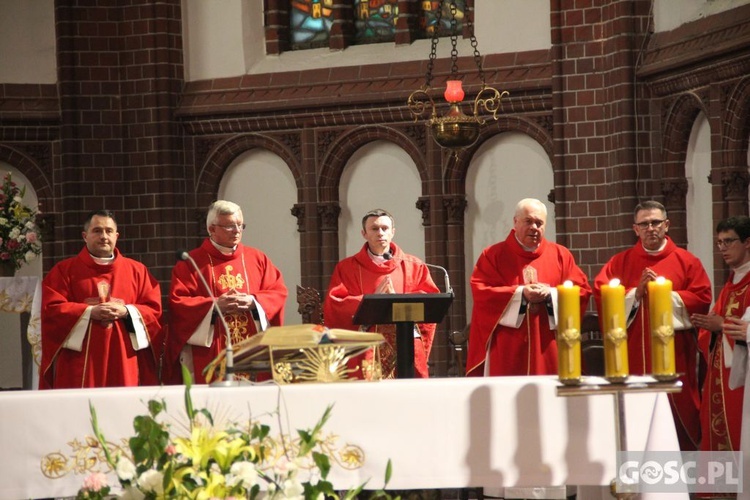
x,y
104,261
224,250
740,272
528,249
377,259
653,252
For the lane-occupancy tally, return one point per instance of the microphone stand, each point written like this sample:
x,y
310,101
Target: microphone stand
x,y
229,367
448,288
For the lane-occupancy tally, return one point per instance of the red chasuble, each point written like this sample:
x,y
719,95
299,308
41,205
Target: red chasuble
x,y
691,283
358,275
248,271
721,412
107,358
501,268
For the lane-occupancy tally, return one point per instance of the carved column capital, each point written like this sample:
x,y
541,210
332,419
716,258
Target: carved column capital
x,y
423,204
674,192
455,207
298,210
329,215
734,184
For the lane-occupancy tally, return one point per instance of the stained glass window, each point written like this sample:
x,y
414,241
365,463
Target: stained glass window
x,y
429,19
375,21
310,23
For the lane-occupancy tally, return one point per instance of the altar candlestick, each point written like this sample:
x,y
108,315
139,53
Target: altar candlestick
x,y
569,332
616,366
662,328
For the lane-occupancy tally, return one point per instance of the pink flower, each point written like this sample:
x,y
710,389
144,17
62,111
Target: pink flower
x,y
95,482
170,450
4,256
31,237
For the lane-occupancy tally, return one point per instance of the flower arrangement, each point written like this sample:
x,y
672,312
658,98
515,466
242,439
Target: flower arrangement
x,y
213,463
20,240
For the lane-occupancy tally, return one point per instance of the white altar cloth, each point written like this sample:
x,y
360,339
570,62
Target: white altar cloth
x,y
439,433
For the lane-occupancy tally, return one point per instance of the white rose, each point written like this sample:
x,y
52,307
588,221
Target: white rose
x,y
152,481
3,221
29,256
18,199
125,469
14,233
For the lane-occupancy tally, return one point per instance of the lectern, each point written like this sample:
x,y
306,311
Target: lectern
x,y
403,310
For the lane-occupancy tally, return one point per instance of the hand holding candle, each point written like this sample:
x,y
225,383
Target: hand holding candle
x,y
569,332
616,366
662,329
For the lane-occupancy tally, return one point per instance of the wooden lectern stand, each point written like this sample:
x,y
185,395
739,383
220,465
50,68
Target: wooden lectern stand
x,y
403,310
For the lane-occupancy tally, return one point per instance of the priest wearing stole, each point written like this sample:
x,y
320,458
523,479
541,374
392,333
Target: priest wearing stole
x,y
380,266
654,255
248,288
100,316
722,340
513,320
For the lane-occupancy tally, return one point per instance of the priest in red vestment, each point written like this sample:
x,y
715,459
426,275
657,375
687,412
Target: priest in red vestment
x,y
654,255
249,291
380,267
513,320
721,410
100,316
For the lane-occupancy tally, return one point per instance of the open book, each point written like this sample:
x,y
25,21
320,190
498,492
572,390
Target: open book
x,y
254,353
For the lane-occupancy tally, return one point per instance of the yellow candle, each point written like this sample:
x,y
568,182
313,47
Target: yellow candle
x,y
662,328
614,331
569,331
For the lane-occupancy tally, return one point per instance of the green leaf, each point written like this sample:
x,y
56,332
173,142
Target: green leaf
x,y
100,436
188,379
323,463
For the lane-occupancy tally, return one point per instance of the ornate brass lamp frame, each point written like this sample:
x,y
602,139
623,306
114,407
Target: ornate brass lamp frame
x,y
454,130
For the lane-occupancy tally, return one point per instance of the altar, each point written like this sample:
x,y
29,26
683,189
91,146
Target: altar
x,y
438,433
20,331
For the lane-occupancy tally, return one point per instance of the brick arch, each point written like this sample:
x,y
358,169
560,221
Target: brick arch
x,y
219,160
455,174
33,171
677,127
344,147
735,142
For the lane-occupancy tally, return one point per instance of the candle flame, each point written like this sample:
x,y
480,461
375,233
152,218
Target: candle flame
x,y
614,282
661,280
568,284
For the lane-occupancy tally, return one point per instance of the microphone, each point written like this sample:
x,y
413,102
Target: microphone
x,y
448,288
183,255
387,256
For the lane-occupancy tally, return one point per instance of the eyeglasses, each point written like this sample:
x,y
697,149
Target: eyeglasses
x,y
656,224
726,242
233,227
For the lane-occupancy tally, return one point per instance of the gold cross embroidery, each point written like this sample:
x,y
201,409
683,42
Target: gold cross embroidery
x,y
733,302
229,282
